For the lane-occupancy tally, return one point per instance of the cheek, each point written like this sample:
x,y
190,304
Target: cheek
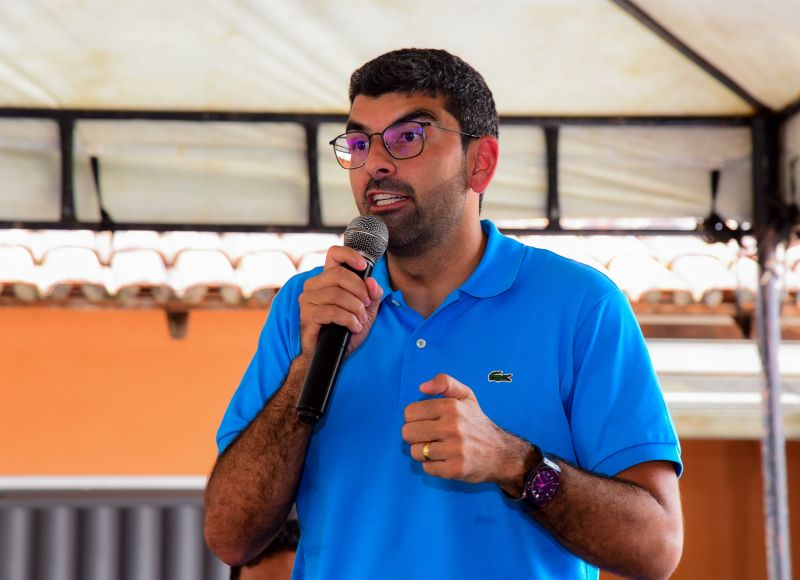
x,y
358,181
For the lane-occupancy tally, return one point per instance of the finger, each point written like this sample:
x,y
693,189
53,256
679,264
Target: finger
x,y
335,296
447,386
330,314
338,255
422,431
375,294
341,278
436,451
443,469
427,410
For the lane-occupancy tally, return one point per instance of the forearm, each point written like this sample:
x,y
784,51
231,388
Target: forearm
x,y
252,486
614,524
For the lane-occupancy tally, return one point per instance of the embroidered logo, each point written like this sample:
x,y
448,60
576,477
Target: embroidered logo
x,y
500,377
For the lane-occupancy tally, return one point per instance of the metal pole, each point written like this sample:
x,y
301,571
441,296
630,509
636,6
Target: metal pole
x,y
773,441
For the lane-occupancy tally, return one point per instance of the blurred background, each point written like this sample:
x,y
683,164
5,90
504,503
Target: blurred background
x,y
165,168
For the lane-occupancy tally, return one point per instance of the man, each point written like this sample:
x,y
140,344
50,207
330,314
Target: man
x,y
481,372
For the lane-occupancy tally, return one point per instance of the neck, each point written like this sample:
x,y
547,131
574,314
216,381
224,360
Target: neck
x,y
428,278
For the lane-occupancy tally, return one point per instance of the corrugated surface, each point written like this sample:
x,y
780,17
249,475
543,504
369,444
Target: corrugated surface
x,y
136,268
105,536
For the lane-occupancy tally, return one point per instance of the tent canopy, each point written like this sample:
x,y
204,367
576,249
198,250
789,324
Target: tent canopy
x,y
648,99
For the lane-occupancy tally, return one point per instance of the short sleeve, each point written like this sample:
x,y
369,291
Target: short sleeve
x,y
617,412
278,345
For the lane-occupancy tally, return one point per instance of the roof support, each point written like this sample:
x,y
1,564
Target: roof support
x,y
667,36
304,118
66,129
314,206
67,119
773,442
771,232
553,206
790,110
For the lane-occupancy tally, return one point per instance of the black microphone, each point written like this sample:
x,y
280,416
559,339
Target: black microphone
x,y
368,235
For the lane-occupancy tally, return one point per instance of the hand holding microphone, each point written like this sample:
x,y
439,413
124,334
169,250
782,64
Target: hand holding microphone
x,y
337,309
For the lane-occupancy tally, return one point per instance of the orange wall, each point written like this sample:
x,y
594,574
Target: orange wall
x,y
101,392
110,393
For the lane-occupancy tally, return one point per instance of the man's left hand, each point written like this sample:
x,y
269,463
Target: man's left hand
x,y
463,443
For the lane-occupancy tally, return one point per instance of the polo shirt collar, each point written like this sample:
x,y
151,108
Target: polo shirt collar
x,y
495,273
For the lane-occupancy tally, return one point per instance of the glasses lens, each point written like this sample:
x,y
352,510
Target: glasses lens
x,y
404,140
351,149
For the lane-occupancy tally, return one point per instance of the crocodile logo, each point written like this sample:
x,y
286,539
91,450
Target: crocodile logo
x,y
500,377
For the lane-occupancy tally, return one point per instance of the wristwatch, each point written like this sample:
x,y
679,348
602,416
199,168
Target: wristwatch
x,y
542,482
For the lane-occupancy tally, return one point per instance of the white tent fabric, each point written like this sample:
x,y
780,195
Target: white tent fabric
x,y
540,57
174,172
548,56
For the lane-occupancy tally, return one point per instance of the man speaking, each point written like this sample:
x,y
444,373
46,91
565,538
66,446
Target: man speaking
x,y
496,414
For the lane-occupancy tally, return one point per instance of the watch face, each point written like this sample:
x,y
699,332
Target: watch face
x,y
542,487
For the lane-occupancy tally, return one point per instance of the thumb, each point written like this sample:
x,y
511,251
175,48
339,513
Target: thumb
x,y
375,295
447,386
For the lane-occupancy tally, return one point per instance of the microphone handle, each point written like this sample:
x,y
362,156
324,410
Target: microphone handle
x,y
331,347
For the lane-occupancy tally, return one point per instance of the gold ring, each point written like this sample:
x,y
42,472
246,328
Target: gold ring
x,y
426,451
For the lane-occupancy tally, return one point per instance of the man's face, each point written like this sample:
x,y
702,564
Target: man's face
x,y
420,199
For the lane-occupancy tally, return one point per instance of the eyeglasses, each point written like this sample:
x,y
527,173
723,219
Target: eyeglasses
x,y
403,140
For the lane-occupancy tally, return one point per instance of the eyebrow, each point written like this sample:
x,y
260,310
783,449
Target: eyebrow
x,y
412,116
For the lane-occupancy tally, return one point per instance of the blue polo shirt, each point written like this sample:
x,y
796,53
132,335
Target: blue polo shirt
x,y
581,387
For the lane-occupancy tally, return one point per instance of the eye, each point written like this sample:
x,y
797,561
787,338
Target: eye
x,y
404,134
357,143
408,136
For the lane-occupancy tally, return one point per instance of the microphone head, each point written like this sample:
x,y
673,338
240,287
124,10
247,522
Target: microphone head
x,y
367,235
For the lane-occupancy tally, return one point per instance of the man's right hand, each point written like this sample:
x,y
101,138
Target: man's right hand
x,y
339,296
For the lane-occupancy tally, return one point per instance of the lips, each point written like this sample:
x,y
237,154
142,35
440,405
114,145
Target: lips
x,y
384,198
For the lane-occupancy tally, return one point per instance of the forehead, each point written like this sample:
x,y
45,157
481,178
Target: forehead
x,y
375,113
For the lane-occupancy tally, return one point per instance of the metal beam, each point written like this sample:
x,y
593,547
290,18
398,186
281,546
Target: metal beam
x,y
314,205
695,57
66,130
333,229
773,442
553,205
790,110
767,202
67,119
304,118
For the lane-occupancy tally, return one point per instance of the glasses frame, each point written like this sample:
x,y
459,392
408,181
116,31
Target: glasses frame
x,y
422,125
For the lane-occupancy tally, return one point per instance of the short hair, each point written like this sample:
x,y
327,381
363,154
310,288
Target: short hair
x,y
431,72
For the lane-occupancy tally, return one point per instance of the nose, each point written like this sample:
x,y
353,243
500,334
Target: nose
x,y
379,162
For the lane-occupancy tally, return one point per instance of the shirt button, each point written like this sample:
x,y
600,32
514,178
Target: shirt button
x,y
421,343
395,302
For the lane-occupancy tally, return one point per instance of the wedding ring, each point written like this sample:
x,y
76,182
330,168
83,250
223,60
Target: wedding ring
x,y
426,451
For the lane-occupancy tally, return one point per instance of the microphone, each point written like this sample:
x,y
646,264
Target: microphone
x,y
368,235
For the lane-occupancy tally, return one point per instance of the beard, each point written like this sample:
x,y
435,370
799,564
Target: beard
x,y
424,223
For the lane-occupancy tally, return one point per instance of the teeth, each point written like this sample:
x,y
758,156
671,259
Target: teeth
x,y
380,199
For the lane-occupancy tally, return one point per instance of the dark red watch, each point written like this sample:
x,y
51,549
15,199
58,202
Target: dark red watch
x,y
542,482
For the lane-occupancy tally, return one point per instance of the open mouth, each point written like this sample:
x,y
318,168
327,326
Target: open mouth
x,y
384,199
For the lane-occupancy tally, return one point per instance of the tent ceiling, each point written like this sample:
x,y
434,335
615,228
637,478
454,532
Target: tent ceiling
x,y
712,68
755,43
541,57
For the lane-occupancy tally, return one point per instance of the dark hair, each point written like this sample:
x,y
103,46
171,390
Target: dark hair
x,y
431,72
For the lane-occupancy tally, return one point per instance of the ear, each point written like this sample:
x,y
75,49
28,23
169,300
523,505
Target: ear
x,y
484,162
